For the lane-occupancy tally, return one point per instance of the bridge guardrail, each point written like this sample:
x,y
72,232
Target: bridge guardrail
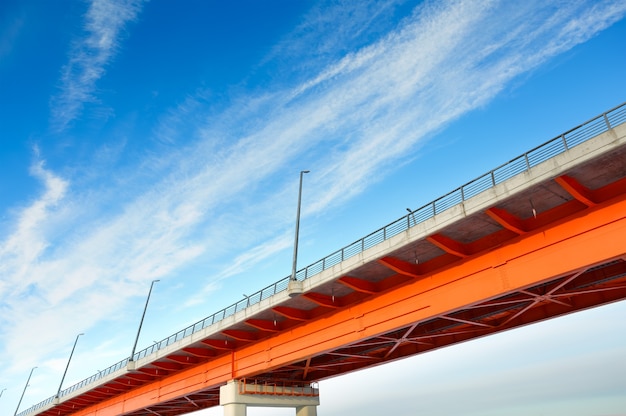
x,y
520,164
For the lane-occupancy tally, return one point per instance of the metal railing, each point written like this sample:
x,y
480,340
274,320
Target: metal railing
x,y
520,164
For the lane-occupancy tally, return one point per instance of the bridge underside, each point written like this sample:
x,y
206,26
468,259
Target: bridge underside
x,y
574,291
555,248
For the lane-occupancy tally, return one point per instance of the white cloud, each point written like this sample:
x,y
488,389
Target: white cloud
x,y
90,55
23,248
374,106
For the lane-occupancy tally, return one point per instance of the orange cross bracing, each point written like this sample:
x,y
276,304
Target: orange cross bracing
x,y
542,251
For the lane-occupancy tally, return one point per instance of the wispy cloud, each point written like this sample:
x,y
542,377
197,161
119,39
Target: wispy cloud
x,y
335,28
89,56
241,264
372,107
22,249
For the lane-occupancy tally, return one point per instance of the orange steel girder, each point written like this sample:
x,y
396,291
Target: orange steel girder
x,y
532,270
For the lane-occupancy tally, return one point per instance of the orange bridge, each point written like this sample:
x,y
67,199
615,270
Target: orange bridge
x,y
541,236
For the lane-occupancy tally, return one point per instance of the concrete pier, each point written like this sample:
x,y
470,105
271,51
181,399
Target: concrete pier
x,y
237,395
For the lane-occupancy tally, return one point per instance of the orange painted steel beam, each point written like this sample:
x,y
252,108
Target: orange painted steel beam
x,y
507,220
200,352
591,237
140,376
359,285
166,365
292,313
183,359
264,325
575,189
324,300
448,245
156,372
240,335
401,267
220,344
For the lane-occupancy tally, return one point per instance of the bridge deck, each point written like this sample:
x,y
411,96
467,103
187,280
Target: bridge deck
x,y
537,238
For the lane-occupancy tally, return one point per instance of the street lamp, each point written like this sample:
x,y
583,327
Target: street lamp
x,y
24,391
68,365
295,244
411,214
2,392
132,354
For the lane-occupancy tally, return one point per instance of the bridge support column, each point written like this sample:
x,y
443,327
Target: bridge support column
x,y
237,395
235,409
306,411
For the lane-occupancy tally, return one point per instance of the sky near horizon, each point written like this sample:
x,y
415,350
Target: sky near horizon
x,y
145,140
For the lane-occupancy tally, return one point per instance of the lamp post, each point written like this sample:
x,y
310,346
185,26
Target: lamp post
x,y
132,354
295,244
411,214
24,391
68,365
2,392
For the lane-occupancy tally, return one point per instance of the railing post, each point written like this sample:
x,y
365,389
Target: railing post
x,y
606,120
564,141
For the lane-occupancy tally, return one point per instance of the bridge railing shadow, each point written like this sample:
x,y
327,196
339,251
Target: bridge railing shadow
x,y
520,164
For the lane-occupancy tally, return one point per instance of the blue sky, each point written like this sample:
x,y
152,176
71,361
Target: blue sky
x,y
163,140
